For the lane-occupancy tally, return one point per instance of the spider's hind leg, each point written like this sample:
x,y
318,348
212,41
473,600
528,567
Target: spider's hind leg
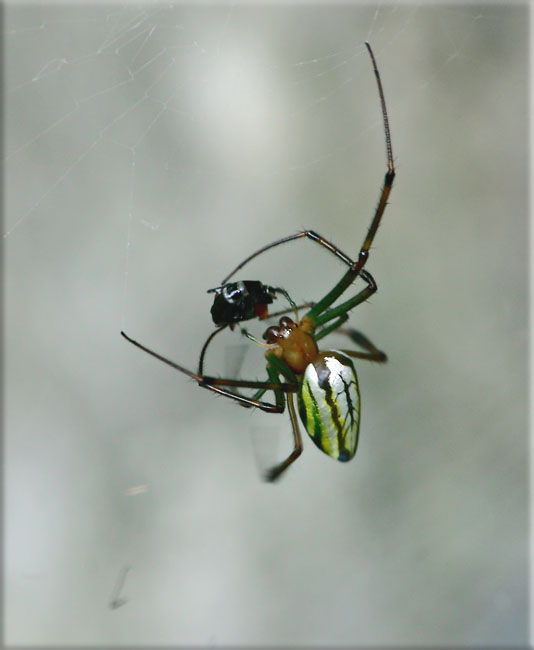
x,y
372,353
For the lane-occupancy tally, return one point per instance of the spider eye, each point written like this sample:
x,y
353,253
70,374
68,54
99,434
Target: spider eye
x,y
271,334
287,323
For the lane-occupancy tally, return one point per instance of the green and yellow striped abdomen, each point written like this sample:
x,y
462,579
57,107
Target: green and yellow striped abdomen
x,y
329,404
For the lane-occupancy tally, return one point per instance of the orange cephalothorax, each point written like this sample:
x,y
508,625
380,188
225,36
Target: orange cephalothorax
x,y
294,341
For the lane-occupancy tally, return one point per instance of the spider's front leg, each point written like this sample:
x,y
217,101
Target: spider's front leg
x,y
320,314
340,315
218,385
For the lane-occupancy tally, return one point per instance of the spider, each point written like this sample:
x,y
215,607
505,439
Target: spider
x,y
325,382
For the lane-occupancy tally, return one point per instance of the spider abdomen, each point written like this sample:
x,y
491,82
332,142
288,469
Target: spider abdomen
x,y
329,404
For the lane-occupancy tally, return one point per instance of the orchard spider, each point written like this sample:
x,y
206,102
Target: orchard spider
x,y
325,381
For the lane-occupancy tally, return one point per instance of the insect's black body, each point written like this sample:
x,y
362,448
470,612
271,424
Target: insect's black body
x,y
239,301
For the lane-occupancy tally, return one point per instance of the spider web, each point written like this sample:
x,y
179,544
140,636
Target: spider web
x,y
148,148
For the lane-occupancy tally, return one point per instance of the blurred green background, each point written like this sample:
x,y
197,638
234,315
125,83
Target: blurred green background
x,y
148,149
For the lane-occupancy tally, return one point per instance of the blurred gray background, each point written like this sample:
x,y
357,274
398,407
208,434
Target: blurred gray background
x,y
148,149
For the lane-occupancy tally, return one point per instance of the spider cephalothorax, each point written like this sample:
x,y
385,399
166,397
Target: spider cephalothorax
x,y
293,342
325,382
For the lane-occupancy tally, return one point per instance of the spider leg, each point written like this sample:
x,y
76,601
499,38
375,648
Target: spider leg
x,y
323,316
372,353
388,178
275,472
205,347
347,279
355,268
310,234
217,384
